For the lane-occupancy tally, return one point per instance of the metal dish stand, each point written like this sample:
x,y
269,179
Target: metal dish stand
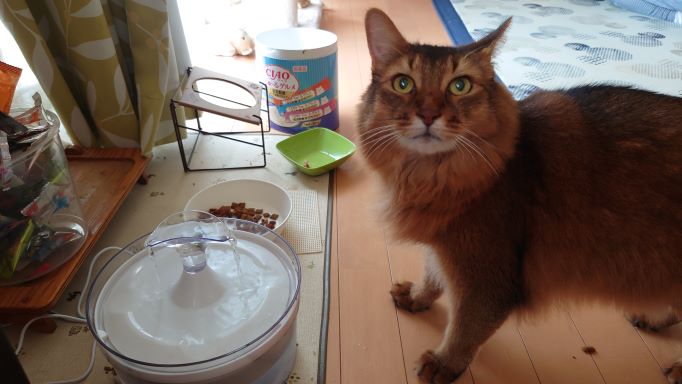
x,y
188,96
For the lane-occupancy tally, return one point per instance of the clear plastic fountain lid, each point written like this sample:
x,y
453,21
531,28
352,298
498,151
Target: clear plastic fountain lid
x,y
196,289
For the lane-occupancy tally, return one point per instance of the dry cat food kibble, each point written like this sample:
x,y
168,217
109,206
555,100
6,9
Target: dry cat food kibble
x,y
589,350
241,211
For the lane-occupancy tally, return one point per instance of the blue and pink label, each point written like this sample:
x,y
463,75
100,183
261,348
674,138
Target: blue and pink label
x,y
302,94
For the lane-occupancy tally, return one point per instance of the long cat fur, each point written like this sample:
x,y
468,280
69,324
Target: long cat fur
x,y
566,195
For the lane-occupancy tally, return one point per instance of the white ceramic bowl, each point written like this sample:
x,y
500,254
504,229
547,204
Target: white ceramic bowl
x,y
255,193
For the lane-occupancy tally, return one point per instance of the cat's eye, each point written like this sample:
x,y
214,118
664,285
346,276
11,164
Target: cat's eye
x,y
460,86
403,84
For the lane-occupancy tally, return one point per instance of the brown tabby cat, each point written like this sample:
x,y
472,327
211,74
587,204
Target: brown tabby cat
x,y
573,194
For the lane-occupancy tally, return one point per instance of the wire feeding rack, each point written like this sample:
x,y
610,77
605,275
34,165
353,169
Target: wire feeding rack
x,y
189,96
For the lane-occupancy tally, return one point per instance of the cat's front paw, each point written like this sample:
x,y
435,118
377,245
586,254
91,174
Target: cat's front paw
x,y
645,323
403,297
674,373
433,371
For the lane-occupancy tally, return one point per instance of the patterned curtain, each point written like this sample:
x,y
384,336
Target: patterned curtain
x,y
108,66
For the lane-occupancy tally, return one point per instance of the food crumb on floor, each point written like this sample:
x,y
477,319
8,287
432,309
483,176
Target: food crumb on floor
x,y
589,350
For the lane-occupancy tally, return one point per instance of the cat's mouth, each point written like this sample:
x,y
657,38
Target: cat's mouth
x,y
426,140
426,137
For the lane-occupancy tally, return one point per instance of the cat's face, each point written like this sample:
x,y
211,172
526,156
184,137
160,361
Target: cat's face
x,y
429,98
427,101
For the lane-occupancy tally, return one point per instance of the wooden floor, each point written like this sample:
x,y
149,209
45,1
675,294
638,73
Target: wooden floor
x,y
372,343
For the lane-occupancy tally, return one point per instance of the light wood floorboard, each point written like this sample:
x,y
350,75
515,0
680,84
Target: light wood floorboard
x,y
370,342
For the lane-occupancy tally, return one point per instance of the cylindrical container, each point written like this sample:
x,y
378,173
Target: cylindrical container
x,y
299,67
41,223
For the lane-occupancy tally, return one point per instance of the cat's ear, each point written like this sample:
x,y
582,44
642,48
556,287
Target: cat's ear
x,y
383,38
486,47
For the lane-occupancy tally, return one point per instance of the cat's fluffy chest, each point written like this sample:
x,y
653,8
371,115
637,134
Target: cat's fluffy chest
x,y
420,223
425,220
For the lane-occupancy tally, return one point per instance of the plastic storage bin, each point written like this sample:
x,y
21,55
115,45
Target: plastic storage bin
x,y
41,222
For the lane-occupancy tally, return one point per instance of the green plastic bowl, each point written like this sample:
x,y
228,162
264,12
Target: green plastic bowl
x,y
316,151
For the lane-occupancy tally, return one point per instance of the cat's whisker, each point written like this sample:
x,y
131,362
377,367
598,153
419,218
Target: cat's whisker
x,y
387,144
477,149
374,139
472,133
384,142
370,139
458,139
373,145
377,138
382,127
378,131
380,145
480,152
458,143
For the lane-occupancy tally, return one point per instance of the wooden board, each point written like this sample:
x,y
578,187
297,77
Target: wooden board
x,y
102,179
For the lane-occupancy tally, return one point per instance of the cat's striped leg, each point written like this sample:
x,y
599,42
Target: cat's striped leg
x,y
476,312
472,321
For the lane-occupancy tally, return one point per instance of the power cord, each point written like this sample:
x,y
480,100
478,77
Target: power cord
x,y
72,319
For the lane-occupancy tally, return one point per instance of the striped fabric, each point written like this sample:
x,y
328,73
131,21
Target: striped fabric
x,y
670,10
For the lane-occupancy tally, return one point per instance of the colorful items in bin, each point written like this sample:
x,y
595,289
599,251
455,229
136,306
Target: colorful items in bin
x,y
9,77
28,244
32,238
14,242
40,223
11,127
45,242
5,162
17,134
33,117
25,128
52,198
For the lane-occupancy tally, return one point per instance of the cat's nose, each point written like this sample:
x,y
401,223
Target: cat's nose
x,y
428,117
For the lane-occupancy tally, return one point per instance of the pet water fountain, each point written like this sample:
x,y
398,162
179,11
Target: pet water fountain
x,y
199,300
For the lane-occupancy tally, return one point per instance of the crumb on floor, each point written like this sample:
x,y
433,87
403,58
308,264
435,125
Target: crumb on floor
x,y
590,350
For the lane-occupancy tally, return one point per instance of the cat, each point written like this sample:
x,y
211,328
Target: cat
x,y
565,195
